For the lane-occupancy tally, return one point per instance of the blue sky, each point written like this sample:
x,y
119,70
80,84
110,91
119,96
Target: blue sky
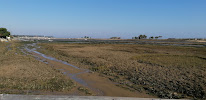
x,y
105,18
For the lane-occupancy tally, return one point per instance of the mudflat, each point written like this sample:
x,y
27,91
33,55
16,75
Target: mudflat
x,y
166,71
90,82
122,70
26,72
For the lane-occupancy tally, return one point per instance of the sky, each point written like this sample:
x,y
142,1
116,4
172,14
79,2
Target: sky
x,y
105,18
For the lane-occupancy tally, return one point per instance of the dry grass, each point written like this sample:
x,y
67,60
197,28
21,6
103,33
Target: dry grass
x,y
166,71
20,72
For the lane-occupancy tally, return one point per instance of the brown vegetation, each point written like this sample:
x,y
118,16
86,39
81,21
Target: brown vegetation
x,y
166,71
19,72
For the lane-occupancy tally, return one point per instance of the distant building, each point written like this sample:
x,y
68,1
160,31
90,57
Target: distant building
x,y
115,38
3,40
8,38
32,37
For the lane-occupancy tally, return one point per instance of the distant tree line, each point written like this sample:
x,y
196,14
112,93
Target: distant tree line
x,y
156,37
140,37
145,37
4,33
115,38
86,37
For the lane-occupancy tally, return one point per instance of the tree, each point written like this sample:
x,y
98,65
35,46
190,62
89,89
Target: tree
x,y
135,37
160,36
4,33
142,36
86,37
151,37
156,37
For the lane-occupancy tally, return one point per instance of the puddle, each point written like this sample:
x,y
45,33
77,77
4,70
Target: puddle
x,y
74,76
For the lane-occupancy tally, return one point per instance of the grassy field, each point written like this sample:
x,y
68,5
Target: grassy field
x,y
19,73
165,71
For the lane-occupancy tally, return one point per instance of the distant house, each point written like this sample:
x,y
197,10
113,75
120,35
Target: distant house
x,y
8,38
3,40
115,38
32,37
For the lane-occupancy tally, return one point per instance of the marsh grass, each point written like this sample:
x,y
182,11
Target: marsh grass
x,y
51,84
20,72
171,60
165,71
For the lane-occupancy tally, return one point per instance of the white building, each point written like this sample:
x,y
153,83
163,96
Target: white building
x,y
3,40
